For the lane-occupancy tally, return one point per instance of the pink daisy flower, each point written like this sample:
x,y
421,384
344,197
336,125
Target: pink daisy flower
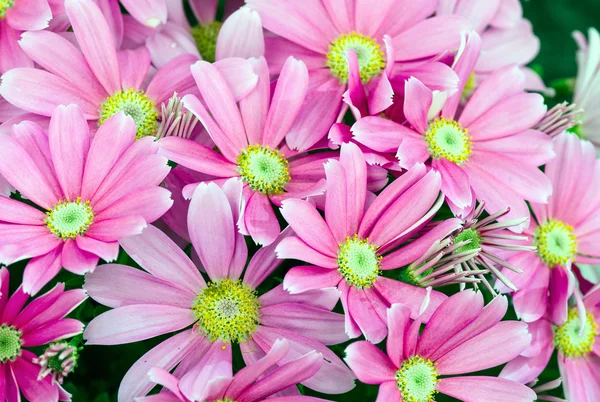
x,y
348,248
250,138
477,151
566,229
40,322
162,26
507,38
388,38
172,295
259,380
577,339
461,337
100,80
93,191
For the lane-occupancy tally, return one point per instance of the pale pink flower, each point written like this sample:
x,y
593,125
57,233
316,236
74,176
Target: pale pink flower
x,y
250,136
259,380
391,39
172,295
95,191
40,322
577,340
477,150
507,38
567,228
461,337
163,28
100,79
348,248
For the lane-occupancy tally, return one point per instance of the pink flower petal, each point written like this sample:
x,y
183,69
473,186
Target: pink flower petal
x,y
175,76
134,65
77,260
148,12
489,389
239,75
62,329
260,219
106,251
196,157
558,294
455,182
26,377
389,392
417,103
114,229
370,364
29,15
322,298
398,318
531,302
408,295
295,248
365,315
526,369
255,106
241,36
13,211
380,134
303,278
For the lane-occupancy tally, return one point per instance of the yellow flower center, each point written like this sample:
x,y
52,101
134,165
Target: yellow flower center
x,y
69,219
417,380
206,39
447,139
264,169
5,5
358,262
135,104
371,59
227,310
555,241
573,341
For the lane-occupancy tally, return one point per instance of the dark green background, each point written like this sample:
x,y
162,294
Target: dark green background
x,y
101,369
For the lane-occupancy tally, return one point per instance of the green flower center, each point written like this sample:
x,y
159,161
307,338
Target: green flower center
x,y
206,39
5,5
555,241
358,262
371,59
571,340
68,219
468,234
135,104
227,310
10,343
417,380
264,169
447,139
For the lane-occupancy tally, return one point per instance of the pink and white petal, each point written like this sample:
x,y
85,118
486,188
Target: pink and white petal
x,y
322,298
148,202
455,182
559,291
408,295
526,369
166,355
76,260
356,96
106,251
286,102
13,211
196,157
417,102
29,15
260,220
336,197
355,167
412,151
134,66
538,152
489,389
69,139
278,50
309,226
531,302
381,96
117,285
370,364
11,54
381,134
134,323
241,35
499,344
151,13
508,15
112,13
365,315
398,319
54,331
114,229
294,248
204,10
255,106
110,142
580,378
26,380
168,43
41,270
49,309
303,278
319,324
239,75
95,39
389,392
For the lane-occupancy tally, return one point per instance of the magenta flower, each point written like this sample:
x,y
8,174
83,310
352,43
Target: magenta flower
x,y
173,295
95,191
386,39
97,78
567,228
577,340
461,337
250,138
163,28
347,249
259,380
40,322
477,151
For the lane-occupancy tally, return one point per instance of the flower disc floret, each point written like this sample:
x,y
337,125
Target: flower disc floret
x,y
265,170
69,219
135,104
227,310
371,59
446,138
205,37
555,242
5,5
573,341
10,343
358,262
468,234
417,380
